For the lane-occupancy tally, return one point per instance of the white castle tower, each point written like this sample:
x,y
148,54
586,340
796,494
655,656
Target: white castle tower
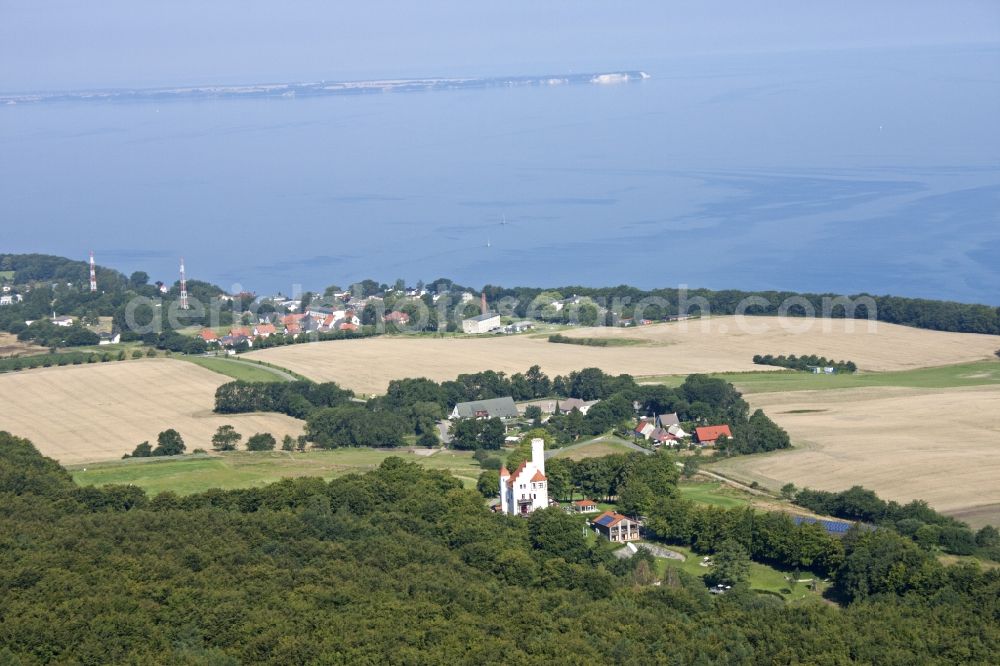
x,y
527,488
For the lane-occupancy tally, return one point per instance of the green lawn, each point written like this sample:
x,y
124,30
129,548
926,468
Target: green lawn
x,y
714,493
946,376
236,369
7,275
242,469
600,446
762,577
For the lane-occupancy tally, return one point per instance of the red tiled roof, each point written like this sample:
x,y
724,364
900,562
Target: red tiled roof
x,y
615,519
265,328
400,317
503,471
517,472
239,332
538,477
208,335
712,433
348,326
293,328
585,502
291,319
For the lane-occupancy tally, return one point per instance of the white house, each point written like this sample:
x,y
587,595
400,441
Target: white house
x,y
109,338
10,299
483,323
65,320
527,488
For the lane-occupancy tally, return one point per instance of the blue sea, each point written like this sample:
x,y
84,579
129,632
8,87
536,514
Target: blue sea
x,y
856,170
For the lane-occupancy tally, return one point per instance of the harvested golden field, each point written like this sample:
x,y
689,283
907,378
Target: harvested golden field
x,y
97,412
939,445
718,344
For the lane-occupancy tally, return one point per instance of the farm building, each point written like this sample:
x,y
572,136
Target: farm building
x,y
503,408
483,323
562,405
616,527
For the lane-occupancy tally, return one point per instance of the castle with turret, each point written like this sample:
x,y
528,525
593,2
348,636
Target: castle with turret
x,y
527,488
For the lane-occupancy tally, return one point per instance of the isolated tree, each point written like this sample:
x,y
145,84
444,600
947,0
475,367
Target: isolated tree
x,y
492,434
488,483
262,441
301,442
635,498
788,491
730,563
691,465
169,443
534,414
142,450
288,443
428,439
226,438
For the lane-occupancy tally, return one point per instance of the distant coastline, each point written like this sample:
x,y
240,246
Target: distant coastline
x,y
319,88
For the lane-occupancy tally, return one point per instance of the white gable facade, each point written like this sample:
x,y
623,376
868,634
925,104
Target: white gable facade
x,y
527,488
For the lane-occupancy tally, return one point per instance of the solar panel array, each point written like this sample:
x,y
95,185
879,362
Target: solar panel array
x,y
605,521
831,526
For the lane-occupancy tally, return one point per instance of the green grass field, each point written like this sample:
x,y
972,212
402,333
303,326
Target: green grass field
x,y
713,493
762,577
947,376
243,370
242,469
7,276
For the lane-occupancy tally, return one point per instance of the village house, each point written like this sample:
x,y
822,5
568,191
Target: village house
x,y
584,506
109,338
526,489
208,335
644,429
661,436
264,330
666,420
707,435
10,299
64,320
616,527
400,318
503,408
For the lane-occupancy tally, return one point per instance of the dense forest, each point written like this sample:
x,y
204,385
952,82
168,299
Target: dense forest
x,y
402,565
415,405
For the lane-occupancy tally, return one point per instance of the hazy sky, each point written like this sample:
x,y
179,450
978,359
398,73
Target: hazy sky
x,y
63,44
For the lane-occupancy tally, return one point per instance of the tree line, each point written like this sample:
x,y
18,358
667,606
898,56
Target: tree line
x,y
794,362
411,568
